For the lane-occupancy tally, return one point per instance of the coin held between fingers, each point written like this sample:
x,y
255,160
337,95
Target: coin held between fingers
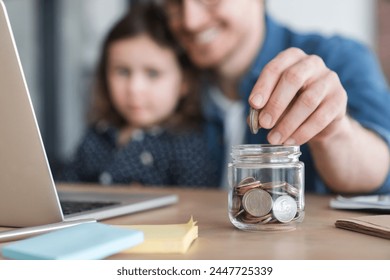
x,y
254,120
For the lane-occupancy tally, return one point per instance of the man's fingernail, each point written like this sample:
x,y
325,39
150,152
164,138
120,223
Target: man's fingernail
x,y
266,120
275,137
257,100
290,141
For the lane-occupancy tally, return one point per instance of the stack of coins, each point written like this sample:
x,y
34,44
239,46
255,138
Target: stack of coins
x,y
254,202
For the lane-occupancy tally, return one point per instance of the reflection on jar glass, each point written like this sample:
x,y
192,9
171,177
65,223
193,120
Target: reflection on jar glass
x,y
266,187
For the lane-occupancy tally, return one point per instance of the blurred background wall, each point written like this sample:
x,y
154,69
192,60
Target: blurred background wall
x,y
58,43
59,40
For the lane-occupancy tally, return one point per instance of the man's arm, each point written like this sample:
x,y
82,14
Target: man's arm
x,y
303,101
350,158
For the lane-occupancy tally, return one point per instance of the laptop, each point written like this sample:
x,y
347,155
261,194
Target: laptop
x,y
28,195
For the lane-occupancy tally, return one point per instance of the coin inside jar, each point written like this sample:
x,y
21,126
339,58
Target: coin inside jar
x,y
246,180
266,183
257,202
285,208
236,204
241,190
291,190
254,120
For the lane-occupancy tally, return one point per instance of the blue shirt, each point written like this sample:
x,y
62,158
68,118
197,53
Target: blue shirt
x,y
359,73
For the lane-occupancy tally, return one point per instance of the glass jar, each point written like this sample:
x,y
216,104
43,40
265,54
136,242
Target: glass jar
x,y
266,187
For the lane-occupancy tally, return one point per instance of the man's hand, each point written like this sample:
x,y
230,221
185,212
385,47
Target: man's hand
x,y
299,97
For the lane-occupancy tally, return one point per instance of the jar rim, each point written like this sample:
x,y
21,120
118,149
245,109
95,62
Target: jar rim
x,y
265,150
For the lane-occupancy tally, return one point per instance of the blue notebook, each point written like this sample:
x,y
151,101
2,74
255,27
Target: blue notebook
x,y
89,241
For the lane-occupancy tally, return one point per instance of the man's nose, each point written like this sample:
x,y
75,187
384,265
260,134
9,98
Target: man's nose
x,y
195,14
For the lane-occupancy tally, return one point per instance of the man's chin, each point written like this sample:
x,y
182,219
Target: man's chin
x,y
205,62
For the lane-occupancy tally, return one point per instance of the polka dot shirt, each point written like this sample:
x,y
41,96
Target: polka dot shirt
x,y
154,157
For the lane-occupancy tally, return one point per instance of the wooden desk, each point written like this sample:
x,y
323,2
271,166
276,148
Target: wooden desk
x,y
316,238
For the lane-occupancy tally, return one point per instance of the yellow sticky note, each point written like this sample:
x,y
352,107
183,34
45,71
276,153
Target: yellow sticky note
x,y
176,238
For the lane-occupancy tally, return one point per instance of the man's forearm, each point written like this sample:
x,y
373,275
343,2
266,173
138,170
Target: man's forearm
x,y
353,159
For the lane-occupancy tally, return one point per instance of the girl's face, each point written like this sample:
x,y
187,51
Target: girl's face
x,y
145,80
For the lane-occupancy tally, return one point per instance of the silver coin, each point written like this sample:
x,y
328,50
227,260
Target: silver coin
x,y
257,202
284,208
254,120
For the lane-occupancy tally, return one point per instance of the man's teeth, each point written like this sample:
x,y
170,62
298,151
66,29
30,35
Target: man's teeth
x,y
206,36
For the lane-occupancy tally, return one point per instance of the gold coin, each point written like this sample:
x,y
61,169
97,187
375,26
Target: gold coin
x,y
238,213
236,203
246,180
257,202
272,185
241,190
290,189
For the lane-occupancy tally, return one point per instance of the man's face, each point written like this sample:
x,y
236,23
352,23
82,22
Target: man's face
x,y
215,31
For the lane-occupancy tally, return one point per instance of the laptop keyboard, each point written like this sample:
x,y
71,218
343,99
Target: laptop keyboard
x,y
72,207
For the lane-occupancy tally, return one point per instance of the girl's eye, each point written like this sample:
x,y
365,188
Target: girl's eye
x,y
123,71
153,73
